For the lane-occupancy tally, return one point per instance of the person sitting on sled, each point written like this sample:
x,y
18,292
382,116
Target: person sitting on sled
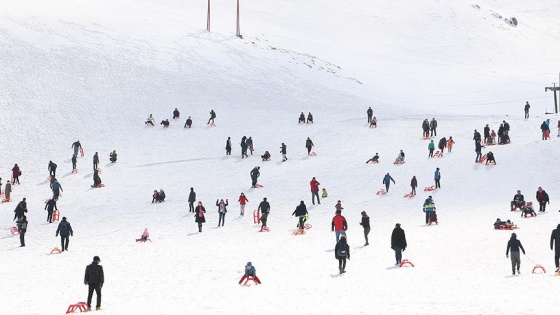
x,y
145,236
250,271
265,156
528,209
324,193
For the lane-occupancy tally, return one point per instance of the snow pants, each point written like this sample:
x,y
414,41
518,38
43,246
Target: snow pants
x,y
342,263
315,194
515,261
64,240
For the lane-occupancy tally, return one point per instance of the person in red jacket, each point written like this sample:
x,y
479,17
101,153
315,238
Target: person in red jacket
x,y
242,202
315,190
542,198
339,225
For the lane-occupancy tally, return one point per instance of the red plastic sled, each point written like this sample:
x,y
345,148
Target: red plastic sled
x,y
81,306
258,186
256,217
212,124
82,152
429,188
56,250
14,230
248,279
508,227
312,154
406,262
539,267
438,154
75,171
56,215
6,199
482,159
409,195
381,192
264,229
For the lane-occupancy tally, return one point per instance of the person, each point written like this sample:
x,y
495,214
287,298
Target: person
x,y
486,133
212,117
490,158
426,128
65,231
492,137
113,156
478,150
264,218
188,123
324,193
559,128
366,226
555,240
94,278
22,228
222,209
477,137
341,252
161,195
506,128
542,198
176,113
21,209
301,119
545,130
228,146
56,189
250,271
450,144
264,206
373,123
528,209
309,118
96,179
165,123
369,115
314,184
300,212
145,236
244,147
155,196
527,106
387,181
338,206
150,121
413,185
242,202
77,146
52,169
95,161
8,190
433,127
339,225
199,215
0,185
192,199
255,173
74,160
441,145
309,144
428,207
283,151
16,173
437,177
266,156
431,147
514,244
400,158
249,143
518,201
398,242
374,159
50,206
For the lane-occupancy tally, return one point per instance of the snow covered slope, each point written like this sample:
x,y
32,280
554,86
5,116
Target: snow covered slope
x,y
94,70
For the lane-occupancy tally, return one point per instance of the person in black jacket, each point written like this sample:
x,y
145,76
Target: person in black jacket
x,y
490,158
413,185
369,114
113,156
65,231
542,198
52,169
94,278
188,123
301,119
477,137
309,144
212,117
283,151
95,161
518,201
442,144
398,242
96,179
487,134
514,244
192,199
264,206
478,150
309,118
374,159
22,228
365,225
21,208
50,206
341,252
228,146
555,240
300,212
244,147
176,114
254,176
74,160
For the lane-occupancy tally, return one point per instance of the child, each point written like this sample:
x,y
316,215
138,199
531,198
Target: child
x,y
373,123
264,217
250,271
161,195
155,196
324,193
266,156
145,236
528,209
338,206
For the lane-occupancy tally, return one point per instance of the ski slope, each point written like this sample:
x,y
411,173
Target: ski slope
x,y
94,70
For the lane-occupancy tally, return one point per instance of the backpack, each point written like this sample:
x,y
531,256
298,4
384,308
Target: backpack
x,y
342,250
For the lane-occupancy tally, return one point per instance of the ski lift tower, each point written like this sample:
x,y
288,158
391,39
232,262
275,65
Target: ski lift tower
x,y
554,88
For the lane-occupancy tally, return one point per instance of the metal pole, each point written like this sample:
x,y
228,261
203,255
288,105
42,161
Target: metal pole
x,y
208,18
555,100
238,31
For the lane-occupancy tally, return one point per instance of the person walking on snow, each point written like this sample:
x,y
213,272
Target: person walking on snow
x,y
250,271
398,242
95,161
74,160
555,240
21,209
94,279
192,199
478,150
176,113
542,198
52,169
249,143
65,231
77,146
244,147
545,129
222,210
339,225
433,127
254,176
527,106
413,185
487,134
212,117
366,226
188,123
50,206
300,212
228,146
450,144
341,252
514,244
56,189
264,206
242,202
283,151
8,191
314,184
199,215
369,115
431,147
387,181
338,206
16,173
442,144
437,177
309,144
264,219
425,128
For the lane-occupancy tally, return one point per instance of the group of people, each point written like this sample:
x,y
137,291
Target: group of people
x,y
150,121
302,120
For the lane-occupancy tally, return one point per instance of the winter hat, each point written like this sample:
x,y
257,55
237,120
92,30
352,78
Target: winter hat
x,y
249,264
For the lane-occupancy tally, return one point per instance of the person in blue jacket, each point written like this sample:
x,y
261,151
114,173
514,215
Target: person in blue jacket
x,y
65,231
387,181
56,189
250,271
428,207
431,147
437,176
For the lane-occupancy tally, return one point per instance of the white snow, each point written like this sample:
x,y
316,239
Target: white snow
x,y
94,70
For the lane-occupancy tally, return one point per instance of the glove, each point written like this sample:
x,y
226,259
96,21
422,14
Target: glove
x,y
403,249
56,234
85,283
